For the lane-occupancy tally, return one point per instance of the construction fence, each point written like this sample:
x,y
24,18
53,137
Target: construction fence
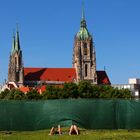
x,y
85,113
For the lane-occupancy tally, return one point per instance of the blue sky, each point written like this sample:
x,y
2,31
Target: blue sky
x,y
47,29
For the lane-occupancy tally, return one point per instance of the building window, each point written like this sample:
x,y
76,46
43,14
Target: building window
x,y
19,60
85,49
86,70
15,61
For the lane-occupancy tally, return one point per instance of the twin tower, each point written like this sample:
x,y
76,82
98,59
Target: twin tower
x,y
84,58
16,70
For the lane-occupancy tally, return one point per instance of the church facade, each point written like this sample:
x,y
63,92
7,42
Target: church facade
x,y
83,62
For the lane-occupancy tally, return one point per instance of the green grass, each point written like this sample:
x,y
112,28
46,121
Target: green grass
x,y
85,135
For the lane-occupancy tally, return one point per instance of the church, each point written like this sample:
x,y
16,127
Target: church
x,y
83,64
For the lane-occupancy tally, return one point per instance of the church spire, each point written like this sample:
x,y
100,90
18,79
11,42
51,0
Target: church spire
x,y
83,33
13,44
83,13
17,42
16,70
83,21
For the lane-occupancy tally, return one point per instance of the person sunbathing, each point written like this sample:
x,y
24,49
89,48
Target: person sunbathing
x,y
74,130
54,130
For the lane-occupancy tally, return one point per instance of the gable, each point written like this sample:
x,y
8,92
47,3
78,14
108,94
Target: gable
x,y
102,78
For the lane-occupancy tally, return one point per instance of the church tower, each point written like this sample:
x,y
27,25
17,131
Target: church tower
x,y
84,57
15,70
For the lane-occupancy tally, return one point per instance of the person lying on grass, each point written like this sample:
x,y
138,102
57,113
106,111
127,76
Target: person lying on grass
x,y
55,130
74,130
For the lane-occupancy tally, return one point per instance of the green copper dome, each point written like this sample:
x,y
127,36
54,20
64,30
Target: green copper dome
x,y
83,33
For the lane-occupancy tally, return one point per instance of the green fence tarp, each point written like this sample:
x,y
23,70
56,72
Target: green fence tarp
x,y
86,113
128,114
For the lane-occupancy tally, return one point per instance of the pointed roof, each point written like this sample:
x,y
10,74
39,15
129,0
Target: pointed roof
x,y
83,21
83,13
83,33
102,78
13,44
17,42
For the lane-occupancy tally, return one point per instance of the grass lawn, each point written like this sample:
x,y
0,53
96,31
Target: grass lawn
x,y
85,135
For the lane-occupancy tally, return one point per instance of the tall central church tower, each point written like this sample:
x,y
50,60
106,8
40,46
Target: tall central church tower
x,y
84,57
15,70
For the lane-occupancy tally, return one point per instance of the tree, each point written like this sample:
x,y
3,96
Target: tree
x,y
19,95
70,90
84,89
4,93
51,92
33,95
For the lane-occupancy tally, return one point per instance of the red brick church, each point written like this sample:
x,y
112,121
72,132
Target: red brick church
x,y
84,64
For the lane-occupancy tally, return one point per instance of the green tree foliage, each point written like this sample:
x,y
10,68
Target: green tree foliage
x,y
14,94
85,89
18,95
52,92
33,95
69,90
4,94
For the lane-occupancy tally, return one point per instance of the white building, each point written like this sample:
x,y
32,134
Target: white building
x,y
133,85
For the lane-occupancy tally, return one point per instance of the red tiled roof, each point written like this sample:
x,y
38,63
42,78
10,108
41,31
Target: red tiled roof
x,y
41,89
102,78
24,89
50,74
59,74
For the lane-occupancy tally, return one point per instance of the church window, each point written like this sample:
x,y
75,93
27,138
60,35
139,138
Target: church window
x,y
86,70
85,49
15,61
19,60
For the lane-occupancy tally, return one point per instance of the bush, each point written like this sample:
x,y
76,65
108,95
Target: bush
x,y
4,93
69,90
33,95
14,94
18,95
85,89
51,92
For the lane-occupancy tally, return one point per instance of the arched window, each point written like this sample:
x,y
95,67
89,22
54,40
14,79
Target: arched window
x,y
15,61
86,70
19,61
85,49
